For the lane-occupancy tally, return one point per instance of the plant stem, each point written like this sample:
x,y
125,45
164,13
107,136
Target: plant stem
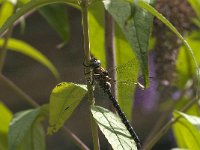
x,y
110,51
94,128
3,50
75,139
5,82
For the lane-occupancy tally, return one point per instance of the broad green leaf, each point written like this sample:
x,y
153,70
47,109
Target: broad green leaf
x,y
187,131
6,11
113,129
154,12
5,118
127,70
28,50
64,99
56,16
96,31
187,70
34,4
35,138
136,28
25,131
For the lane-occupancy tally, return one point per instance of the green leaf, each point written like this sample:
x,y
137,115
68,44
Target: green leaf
x,y
187,130
136,29
5,12
113,129
28,50
64,99
34,4
96,31
5,117
56,16
187,70
35,138
126,71
25,131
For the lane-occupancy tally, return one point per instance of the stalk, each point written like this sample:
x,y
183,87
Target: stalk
x,y
3,50
110,51
91,101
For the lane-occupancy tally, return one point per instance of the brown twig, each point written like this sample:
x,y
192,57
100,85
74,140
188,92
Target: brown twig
x,y
3,49
110,50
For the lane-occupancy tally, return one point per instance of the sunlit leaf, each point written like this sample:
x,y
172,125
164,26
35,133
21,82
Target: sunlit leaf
x,y
113,129
25,131
28,50
56,16
187,70
64,99
96,31
187,131
5,118
6,11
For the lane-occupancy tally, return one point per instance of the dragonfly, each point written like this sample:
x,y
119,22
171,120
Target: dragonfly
x,y
101,76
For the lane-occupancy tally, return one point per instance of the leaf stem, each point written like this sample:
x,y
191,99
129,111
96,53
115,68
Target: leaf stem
x,y
3,50
84,6
75,139
6,83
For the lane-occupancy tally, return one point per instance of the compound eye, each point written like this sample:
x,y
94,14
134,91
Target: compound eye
x,y
95,63
98,62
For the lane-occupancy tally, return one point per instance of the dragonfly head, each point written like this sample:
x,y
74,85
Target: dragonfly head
x,y
95,63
